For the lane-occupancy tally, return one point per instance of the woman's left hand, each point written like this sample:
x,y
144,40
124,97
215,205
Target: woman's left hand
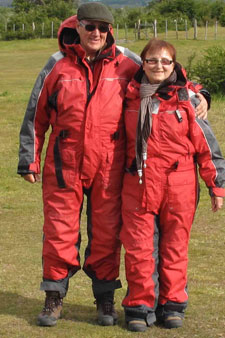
x,y
217,203
201,110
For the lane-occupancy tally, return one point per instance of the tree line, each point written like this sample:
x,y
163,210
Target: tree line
x,y
18,21
180,10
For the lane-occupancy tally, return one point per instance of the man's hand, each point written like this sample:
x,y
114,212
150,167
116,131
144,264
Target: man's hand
x,y
32,178
217,203
201,110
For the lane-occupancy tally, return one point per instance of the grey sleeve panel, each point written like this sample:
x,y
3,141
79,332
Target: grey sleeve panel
x,y
195,101
27,132
216,155
130,55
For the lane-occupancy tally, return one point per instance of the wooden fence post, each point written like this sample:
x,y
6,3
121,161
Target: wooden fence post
x,y
139,30
117,32
52,35
166,28
195,29
155,28
216,29
206,30
125,27
146,30
176,29
186,30
43,29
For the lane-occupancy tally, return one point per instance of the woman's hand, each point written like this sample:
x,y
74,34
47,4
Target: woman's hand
x,y
217,203
32,178
201,109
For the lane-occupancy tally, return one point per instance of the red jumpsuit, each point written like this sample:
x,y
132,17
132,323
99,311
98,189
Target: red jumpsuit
x,y
158,214
83,104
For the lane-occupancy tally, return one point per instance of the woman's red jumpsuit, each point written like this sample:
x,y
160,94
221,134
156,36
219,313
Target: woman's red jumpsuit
x,y
158,214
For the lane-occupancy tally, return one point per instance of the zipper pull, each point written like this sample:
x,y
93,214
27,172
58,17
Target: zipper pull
x,y
179,117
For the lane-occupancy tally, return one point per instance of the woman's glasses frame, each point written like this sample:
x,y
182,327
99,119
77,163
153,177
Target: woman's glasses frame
x,y
163,61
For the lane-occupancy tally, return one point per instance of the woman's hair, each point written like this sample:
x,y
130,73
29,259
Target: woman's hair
x,y
155,45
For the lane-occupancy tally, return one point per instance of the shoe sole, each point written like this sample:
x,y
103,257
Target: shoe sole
x,y
47,321
173,323
108,321
137,326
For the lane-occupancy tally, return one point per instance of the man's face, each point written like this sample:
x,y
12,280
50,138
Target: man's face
x,y
94,40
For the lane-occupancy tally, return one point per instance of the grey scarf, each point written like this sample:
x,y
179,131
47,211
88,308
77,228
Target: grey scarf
x,y
144,126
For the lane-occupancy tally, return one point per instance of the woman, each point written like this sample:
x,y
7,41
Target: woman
x,y
165,142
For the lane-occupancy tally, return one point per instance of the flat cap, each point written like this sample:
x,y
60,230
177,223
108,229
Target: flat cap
x,y
94,11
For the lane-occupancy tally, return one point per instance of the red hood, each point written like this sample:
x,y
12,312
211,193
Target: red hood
x,y
67,34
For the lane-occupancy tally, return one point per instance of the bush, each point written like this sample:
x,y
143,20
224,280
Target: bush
x,y
210,70
19,35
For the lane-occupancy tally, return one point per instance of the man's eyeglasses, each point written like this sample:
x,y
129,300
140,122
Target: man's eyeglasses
x,y
91,27
163,61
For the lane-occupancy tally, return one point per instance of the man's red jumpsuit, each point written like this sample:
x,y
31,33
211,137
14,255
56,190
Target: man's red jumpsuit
x,y
158,214
83,104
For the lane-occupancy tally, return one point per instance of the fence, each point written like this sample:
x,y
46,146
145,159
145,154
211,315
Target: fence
x,y
139,31
11,30
147,31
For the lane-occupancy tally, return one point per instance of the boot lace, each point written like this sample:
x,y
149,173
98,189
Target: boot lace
x,y
107,308
52,301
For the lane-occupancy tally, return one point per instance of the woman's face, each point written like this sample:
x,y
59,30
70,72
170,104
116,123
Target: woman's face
x,y
158,65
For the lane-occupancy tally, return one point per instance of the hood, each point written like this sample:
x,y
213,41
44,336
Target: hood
x,y
67,34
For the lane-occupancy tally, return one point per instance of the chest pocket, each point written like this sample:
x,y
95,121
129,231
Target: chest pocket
x,y
173,123
177,119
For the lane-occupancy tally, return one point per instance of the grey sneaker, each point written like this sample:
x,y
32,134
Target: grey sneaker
x,y
107,315
52,309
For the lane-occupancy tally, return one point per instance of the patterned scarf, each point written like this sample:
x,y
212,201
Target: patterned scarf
x,y
144,126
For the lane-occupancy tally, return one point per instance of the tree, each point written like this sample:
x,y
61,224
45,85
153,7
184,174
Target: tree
x,y
21,5
210,70
217,9
60,9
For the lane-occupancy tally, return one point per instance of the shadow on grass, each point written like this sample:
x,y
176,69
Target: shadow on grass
x,y
13,304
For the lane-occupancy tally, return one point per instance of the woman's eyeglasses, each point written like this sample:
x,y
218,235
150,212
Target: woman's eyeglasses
x,y
163,61
91,27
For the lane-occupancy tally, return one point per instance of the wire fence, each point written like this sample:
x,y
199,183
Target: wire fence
x,y
140,31
145,31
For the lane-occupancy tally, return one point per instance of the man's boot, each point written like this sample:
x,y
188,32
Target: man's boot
x,y
107,315
52,309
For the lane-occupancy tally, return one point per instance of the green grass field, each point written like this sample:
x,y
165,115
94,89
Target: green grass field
x,y
21,225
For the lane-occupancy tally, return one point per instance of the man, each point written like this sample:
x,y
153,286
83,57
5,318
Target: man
x,y
80,93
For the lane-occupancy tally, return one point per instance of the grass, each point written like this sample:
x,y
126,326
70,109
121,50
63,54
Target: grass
x,y
21,225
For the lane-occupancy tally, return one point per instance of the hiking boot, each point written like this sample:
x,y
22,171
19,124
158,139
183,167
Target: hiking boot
x,y
137,325
173,321
52,309
107,315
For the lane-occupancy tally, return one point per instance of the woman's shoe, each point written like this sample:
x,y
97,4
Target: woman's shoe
x,y
173,321
137,325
